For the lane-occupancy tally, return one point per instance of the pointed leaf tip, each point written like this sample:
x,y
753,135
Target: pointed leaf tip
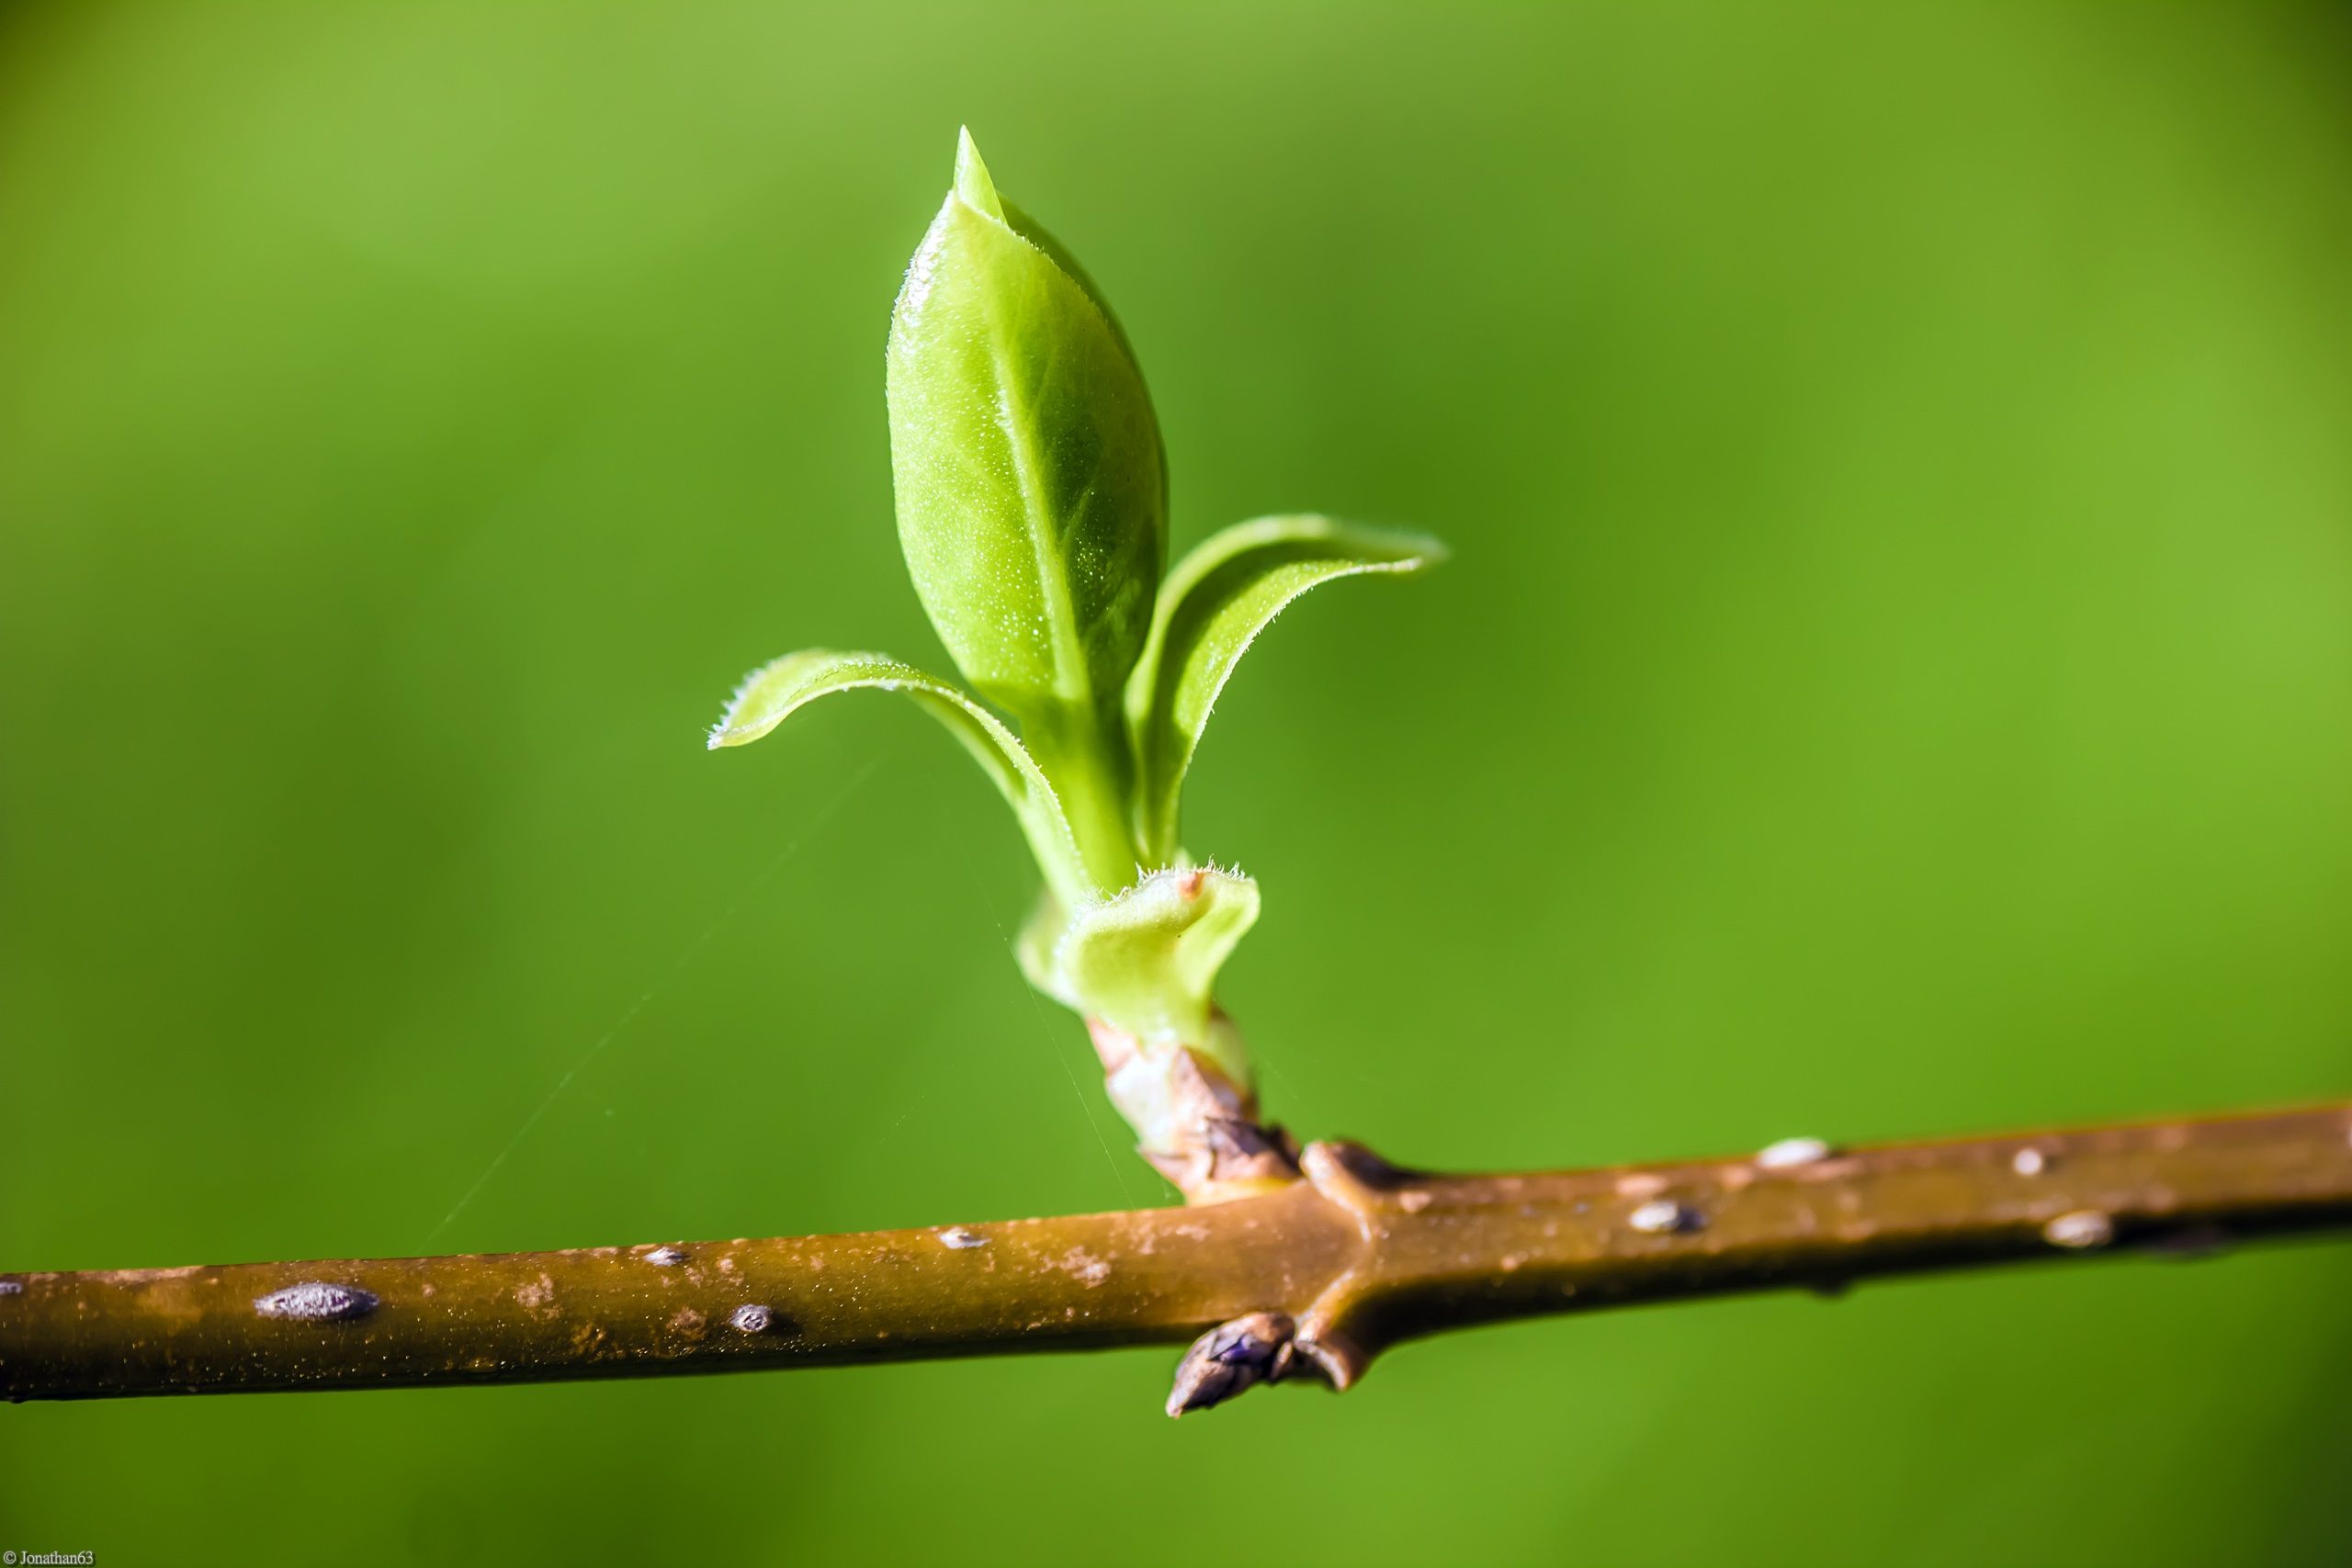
x,y
972,182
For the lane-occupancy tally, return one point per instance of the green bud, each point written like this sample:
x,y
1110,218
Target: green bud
x,y
1032,496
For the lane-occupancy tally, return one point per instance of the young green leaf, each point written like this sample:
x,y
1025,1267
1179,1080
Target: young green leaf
x,y
1146,960
772,693
1032,495
1216,601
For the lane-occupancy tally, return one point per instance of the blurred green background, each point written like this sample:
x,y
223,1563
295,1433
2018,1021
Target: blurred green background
x,y
1896,679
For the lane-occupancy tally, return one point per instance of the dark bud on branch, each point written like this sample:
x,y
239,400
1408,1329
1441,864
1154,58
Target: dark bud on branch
x,y
1231,1358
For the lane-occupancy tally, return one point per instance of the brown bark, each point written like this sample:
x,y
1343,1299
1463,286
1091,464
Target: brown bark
x,y
1315,1278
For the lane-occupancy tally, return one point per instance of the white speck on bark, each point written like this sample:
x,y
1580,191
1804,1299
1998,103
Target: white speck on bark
x,y
2079,1231
1791,1152
314,1301
1662,1216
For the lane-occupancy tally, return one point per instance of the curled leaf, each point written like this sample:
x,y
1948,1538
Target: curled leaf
x,y
1214,602
772,693
1145,962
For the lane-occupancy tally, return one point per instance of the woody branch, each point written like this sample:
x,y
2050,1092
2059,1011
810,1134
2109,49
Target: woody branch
x,y
1310,1279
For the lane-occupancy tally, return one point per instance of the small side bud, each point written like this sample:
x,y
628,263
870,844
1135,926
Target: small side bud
x,y
1231,1358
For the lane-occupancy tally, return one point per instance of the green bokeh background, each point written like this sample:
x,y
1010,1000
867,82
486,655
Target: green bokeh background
x,y
1896,679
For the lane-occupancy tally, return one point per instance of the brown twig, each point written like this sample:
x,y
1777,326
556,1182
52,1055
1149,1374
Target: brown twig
x,y
1314,1279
